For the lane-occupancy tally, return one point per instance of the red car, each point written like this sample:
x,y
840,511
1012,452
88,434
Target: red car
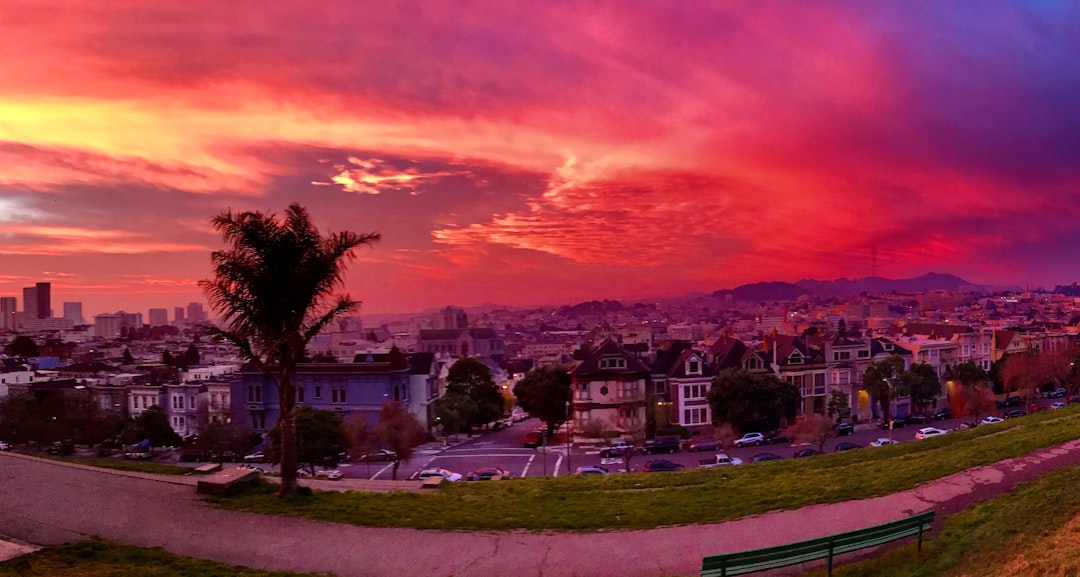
x,y
533,438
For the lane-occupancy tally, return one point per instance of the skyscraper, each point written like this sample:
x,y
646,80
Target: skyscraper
x,y
37,301
73,312
195,313
7,313
178,315
159,317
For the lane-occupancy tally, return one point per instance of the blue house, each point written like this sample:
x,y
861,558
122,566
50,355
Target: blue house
x,y
358,388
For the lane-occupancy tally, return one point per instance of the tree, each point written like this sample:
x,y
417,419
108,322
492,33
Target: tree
x,y
128,358
1020,375
453,411
152,424
191,356
839,407
24,346
882,381
272,289
320,437
814,429
922,383
761,400
167,359
473,379
399,431
544,393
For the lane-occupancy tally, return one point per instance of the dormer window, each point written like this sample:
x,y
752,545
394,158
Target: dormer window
x,y
612,363
693,367
795,358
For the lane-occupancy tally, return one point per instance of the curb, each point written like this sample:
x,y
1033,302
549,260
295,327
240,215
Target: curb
x,y
189,480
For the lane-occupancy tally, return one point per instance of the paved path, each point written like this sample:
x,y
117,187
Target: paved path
x,y
45,503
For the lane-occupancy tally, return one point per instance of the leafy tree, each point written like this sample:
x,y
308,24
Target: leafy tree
x,y
743,398
320,436
544,393
473,379
814,429
882,381
325,358
453,411
399,431
273,290
922,383
1020,375
841,328
191,356
152,424
167,359
128,358
359,437
838,406
975,396
24,346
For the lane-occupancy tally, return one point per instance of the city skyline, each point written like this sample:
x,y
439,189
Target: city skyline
x,y
539,154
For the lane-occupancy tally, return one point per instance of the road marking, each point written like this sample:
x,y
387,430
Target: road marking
x,y
555,471
381,471
475,456
526,469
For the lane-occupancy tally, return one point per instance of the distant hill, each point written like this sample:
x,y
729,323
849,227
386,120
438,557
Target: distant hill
x,y
764,291
775,291
591,308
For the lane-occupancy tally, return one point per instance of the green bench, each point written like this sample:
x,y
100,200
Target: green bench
x,y
824,548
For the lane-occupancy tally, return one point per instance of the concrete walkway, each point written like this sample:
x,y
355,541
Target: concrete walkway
x,y
45,503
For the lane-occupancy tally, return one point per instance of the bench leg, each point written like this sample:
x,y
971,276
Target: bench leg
x,y
830,556
920,538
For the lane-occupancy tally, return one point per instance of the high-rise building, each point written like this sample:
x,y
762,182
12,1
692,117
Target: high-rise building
x,y
109,326
7,313
73,312
37,301
159,317
195,313
178,315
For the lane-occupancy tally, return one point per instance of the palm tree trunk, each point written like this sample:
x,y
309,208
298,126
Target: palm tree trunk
x,y
287,428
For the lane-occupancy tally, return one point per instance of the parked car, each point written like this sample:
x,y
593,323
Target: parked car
x,y
897,422
1014,414
1057,405
917,419
1056,393
662,465
705,445
750,439
251,467
330,474
844,429
719,460
517,415
378,455
4,446
942,414
776,438
846,447
303,473
806,453
881,442
256,457
762,457
593,470
991,420
928,432
488,474
533,439
662,445
445,474
616,449
1010,402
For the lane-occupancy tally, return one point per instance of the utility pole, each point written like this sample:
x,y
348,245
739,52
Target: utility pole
x,y
568,433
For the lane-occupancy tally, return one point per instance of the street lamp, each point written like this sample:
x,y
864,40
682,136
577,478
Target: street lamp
x,y
888,406
568,432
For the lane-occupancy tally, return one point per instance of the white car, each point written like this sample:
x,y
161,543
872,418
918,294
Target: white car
x,y
929,432
991,420
750,439
331,474
881,442
448,475
4,446
1057,405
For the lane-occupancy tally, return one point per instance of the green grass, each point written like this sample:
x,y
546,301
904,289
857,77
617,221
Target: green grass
x,y
100,559
697,496
135,466
1024,532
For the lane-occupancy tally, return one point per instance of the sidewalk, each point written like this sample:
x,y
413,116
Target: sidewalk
x,y
43,503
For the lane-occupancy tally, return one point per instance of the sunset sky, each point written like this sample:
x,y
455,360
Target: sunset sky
x,y
540,152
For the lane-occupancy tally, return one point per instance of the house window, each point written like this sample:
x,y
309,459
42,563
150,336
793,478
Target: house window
x,y
318,391
300,394
696,416
628,414
342,394
191,402
582,415
333,394
581,392
795,359
628,389
864,354
613,363
661,387
842,355
693,367
694,391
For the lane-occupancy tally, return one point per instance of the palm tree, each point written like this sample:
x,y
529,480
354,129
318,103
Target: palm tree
x,y
272,291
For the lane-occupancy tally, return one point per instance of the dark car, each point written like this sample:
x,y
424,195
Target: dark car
x,y
846,447
844,429
762,457
705,445
806,453
1013,414
776,438
661,465
917,419
942,414
1010,402
379,455
662,445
